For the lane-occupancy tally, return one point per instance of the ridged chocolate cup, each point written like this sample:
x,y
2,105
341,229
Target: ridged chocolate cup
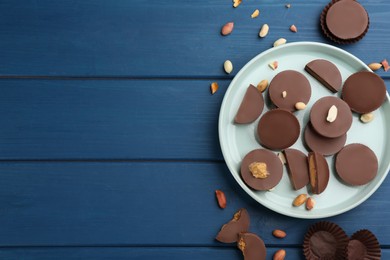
x,y
334,38
363,245
326,241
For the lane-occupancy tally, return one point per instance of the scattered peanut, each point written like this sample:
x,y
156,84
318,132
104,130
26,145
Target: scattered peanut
x,y
279,255
227,28
214,87
255,13
288,5
221,198
300,105
279,42
279,233
293,28
273,65
284,94
264,30
299,200
332,114
263,85
310,203
236,3
228,66
366,118
375,66
385,64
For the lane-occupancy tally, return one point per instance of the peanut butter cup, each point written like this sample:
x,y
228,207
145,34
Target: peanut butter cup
x,y
323,145
251,106
296,162
326,73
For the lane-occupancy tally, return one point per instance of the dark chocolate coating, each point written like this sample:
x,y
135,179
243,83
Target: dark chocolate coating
x,y
254,248
295,84
278,129
251,106
319,113
296,162
356,250
325,72
347,19
229,232
320,178
274,168
323,245
364,91
323,145
356,164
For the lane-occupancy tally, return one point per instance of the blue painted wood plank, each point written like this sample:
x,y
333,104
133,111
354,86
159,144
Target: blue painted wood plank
x,y
159,38
110,119
146,204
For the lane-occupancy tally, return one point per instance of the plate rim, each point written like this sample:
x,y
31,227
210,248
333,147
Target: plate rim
x,y
249,191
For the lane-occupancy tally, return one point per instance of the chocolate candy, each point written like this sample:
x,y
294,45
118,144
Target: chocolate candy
x,y
296,162
363,245
273,169
364,91
347,20
252,246
319,114
278,129
230,231
251,106
325,72
318,172
323,145
356,164
294,84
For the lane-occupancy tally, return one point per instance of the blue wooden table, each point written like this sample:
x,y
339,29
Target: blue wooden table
x,y
108,138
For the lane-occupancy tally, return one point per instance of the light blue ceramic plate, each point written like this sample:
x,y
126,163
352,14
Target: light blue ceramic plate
x,y
237,140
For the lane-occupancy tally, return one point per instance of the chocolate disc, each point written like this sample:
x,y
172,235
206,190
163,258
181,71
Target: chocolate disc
x,y
296,162
278,129
356,164
347,20
364,91
252,246
325,72
319,114
296,86
251,106
274,169
318,172
323,145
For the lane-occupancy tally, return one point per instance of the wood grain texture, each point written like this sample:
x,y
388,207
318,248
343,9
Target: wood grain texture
x,y
160,38
146,204
110,119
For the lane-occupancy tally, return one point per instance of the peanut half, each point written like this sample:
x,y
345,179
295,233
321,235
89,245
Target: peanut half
x,y
293,28
264,30
279,233
310,203
228,66
255,13
332,114
214,87
280,255
375,66
366,118
279,42
221,198
300,106
263,85
227,28
236,3
273,65
299,200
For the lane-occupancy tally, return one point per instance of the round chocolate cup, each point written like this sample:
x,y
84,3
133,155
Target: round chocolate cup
x,y
334,38
363,245
325,240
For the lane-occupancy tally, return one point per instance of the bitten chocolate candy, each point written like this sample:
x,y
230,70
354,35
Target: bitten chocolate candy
x,y
252,246
297,168
240,223
295,86
273,169
319,172
278,129
325,72
319,114
251,106
364,92
356,164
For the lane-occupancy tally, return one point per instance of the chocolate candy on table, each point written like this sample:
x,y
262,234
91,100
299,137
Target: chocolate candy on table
x,y
296,86
296,162
356,164
278,129
230,231
323,145
318,172
344,21
271,164
251,106
319,114
364,91
252,246
325,72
